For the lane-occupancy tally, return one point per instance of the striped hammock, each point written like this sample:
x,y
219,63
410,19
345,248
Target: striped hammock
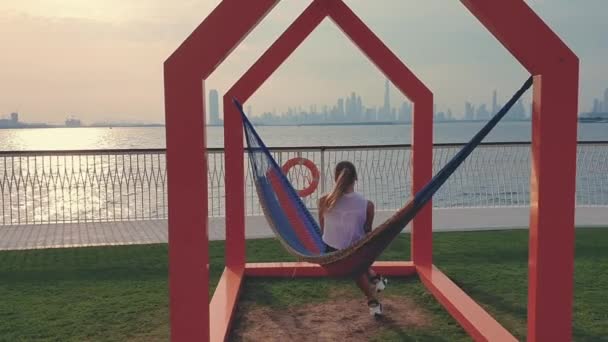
x,y
298,231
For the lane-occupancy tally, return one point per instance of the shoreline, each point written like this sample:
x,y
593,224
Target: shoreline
x,y
372,123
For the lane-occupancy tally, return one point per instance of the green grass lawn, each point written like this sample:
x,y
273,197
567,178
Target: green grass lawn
x,y
120,293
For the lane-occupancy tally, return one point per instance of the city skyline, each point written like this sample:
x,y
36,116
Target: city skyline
x,y
600,106
350,109
353,109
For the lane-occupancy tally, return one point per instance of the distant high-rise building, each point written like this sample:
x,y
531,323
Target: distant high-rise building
x,y
374,113
482,112
405,113
518,112
494,103
369,115
439,116
605,109
347,107
469,111
214,107
597,106
353,115
72,122
340,109
15,117
387,100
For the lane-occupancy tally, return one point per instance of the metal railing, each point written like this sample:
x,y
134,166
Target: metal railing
x,y
111,185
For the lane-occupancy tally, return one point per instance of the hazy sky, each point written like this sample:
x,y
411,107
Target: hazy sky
x,y
102,60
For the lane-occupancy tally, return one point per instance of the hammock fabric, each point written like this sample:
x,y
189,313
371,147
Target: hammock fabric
x,y
298,231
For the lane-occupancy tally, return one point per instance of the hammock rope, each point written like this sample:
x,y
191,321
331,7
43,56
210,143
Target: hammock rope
x,y
297,229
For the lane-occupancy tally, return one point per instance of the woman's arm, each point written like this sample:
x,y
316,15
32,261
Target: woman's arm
x,y
369,220
321,206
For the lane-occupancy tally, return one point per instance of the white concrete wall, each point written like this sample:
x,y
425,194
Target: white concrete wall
x,y
155,231
444,219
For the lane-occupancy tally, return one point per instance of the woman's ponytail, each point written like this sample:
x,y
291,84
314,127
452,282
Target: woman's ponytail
x,y
346,175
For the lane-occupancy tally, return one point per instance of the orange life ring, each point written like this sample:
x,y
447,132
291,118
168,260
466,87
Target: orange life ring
x,y
314,171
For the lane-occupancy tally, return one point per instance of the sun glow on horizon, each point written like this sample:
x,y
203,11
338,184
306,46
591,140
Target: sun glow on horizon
x,y
110,10
50,139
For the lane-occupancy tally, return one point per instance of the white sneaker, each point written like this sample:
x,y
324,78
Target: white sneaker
x,y
380,284
375,308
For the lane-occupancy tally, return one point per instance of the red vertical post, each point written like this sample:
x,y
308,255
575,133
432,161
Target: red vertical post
x,y
187,195
552,232
422,172
552,190
234,184
184,73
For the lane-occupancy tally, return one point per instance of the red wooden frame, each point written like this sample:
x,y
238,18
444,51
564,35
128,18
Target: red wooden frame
x,y
512,22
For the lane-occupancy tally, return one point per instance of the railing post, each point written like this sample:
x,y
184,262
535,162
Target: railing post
x,y
322,173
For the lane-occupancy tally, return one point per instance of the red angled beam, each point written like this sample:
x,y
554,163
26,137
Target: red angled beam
x,y
472,317
524,34
554,126
278,52
224,302
215,38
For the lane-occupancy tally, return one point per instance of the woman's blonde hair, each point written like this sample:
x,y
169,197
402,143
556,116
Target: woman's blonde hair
x,y
345,175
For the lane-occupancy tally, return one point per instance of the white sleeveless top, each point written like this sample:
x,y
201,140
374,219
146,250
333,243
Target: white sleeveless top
x,y
345,221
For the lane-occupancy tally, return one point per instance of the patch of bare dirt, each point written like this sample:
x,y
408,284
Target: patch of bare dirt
x,y
340,319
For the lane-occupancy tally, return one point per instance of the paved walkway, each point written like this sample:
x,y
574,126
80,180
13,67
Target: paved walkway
x,y
155,231
82,234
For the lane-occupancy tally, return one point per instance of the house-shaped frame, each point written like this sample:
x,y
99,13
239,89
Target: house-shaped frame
x,y
512,22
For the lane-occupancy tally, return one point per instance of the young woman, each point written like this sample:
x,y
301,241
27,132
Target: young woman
x,y
345,217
